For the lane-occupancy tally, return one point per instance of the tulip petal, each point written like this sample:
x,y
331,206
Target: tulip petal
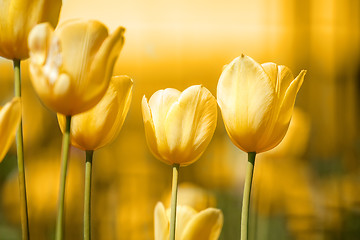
x,y
160,103
288,102
150,128
10,116
161,223
206,225
190,124
245,96
17,18
122,87
107,55
91,132
285,112
39,42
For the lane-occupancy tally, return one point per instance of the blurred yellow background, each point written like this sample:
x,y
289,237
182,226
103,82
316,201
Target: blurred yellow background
x,y
308,188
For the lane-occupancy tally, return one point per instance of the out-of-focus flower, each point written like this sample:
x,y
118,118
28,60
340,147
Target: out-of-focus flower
x,y
256,102
71,67
179,125
17,18
190,224
101,124
10,116
42,191
192,196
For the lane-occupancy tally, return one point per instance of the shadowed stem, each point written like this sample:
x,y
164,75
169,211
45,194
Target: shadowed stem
x,y
64,160
174,200
246,196
87,199
20,159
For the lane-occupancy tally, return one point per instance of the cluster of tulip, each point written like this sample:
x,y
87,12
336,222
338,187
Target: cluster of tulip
x,y
71,71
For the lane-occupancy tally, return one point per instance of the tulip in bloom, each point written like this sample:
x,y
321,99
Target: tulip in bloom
x,y
190,224
256,102
101,124
179,125
71,67
17,18
10,116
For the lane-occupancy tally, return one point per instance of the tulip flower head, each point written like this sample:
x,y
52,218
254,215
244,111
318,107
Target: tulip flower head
x,y
100,125
190,224
179,125
257,102
10,116
17,18
71,67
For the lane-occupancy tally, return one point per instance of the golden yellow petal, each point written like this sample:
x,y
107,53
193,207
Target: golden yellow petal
x,y
190,124
245,96
150,129
10,116
206,225
100,125
161,223
17,18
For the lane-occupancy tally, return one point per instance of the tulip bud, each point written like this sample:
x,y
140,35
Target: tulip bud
x,y
101,124
179,125
71,67
190,224
256,102
17,18
10,116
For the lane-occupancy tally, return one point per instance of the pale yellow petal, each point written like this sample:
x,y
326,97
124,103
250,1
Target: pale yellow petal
x,y
245,96
161,223
160,103
150,129
39,42
10,116
80,40
206,225
190,124
282,122
102,65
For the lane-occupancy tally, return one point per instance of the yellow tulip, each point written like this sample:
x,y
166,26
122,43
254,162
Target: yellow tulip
x,y
10,116
71,67
190,224
17,18
179,125
101,124
256,102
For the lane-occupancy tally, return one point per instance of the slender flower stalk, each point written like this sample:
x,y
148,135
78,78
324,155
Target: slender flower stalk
x,y
246,195
64,160
20,158
87,198
174,200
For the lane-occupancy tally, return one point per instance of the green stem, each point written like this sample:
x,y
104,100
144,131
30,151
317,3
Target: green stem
x,y
174,200
20,159
87,200
246,195
64,160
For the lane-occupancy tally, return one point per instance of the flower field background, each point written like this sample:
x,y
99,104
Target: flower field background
x,y
306,188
